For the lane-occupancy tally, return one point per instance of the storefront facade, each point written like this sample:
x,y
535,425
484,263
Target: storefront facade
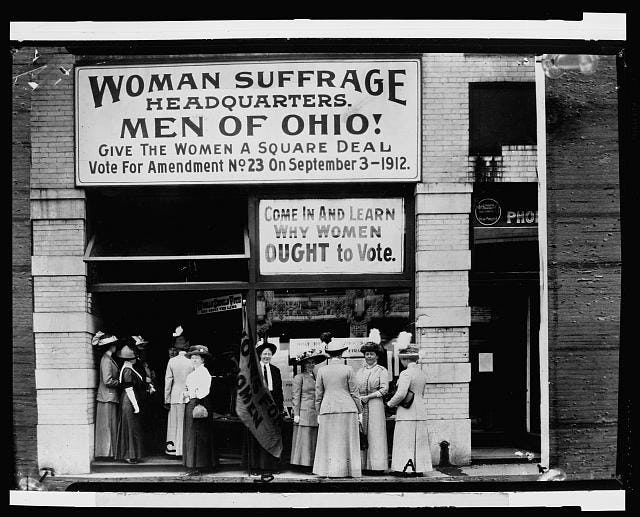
x,y
337,193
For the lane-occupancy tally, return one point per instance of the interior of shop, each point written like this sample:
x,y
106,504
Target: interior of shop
x,y
300,315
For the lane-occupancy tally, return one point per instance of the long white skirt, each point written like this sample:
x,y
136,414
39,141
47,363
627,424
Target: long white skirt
x,y
338,447
175,427
411,447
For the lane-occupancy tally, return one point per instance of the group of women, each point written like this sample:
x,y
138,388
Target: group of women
x,y
122,390
340,426
339,421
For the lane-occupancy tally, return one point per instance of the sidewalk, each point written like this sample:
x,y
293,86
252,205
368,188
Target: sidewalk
x,y
233,476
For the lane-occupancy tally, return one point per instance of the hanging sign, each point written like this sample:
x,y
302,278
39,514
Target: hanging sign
x,y
331,236
219,304
334,120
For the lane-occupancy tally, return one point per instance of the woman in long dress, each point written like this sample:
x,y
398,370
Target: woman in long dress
x,y
305,417
130,444
198,452
107,399
373,384
411,453
339,409
175,379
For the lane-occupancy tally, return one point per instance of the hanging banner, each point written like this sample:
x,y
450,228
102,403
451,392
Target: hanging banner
x,y
254,404
331,236
248,122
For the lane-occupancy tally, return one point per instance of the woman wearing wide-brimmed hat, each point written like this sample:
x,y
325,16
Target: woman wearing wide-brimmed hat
x,y
411,453
107,397
130,444
338,406
305,416
198,451
258,460
373,384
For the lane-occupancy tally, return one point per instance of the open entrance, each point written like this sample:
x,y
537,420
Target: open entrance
x,y
504,400
504,295
212,319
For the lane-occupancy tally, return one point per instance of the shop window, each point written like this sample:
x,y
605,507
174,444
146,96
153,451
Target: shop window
x,y
296,318
172,235
501,114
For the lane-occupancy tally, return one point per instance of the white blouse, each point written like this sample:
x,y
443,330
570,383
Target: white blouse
x,y
198,383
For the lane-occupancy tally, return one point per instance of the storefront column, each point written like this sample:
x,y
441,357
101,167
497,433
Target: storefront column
x,y
63,327
62,321
443,315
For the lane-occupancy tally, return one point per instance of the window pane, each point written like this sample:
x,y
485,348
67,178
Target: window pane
x,y
171,222
501,114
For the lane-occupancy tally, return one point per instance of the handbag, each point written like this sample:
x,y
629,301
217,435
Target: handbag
x,y
199,411
364,441
408,400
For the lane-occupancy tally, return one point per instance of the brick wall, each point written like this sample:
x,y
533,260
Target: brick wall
x,y
442,345
515,163
58,237
53,350
442,232
584,270
445,106
440,288
24,411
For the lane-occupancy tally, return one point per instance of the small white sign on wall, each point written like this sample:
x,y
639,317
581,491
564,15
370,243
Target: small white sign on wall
x,y
485,362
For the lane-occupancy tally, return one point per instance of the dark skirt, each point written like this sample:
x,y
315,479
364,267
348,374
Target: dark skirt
x,y
130,432
255,458
106,434
197,446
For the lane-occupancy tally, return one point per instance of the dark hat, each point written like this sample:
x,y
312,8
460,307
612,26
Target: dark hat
x,y
326,337
371,347
198,350
411,352
264,345
126,353
180,341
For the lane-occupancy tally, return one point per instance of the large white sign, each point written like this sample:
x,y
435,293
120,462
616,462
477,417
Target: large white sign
x,y
297,346
248,122
331,236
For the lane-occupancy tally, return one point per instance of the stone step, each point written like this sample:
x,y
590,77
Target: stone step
x,y
151,463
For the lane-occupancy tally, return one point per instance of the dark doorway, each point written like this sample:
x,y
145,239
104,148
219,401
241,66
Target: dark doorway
x,y
504,401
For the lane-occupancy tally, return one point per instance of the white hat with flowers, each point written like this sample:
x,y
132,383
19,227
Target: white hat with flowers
x,y
312,354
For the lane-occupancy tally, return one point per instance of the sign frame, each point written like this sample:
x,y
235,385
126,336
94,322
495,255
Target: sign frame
x,y
298,177
402,247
